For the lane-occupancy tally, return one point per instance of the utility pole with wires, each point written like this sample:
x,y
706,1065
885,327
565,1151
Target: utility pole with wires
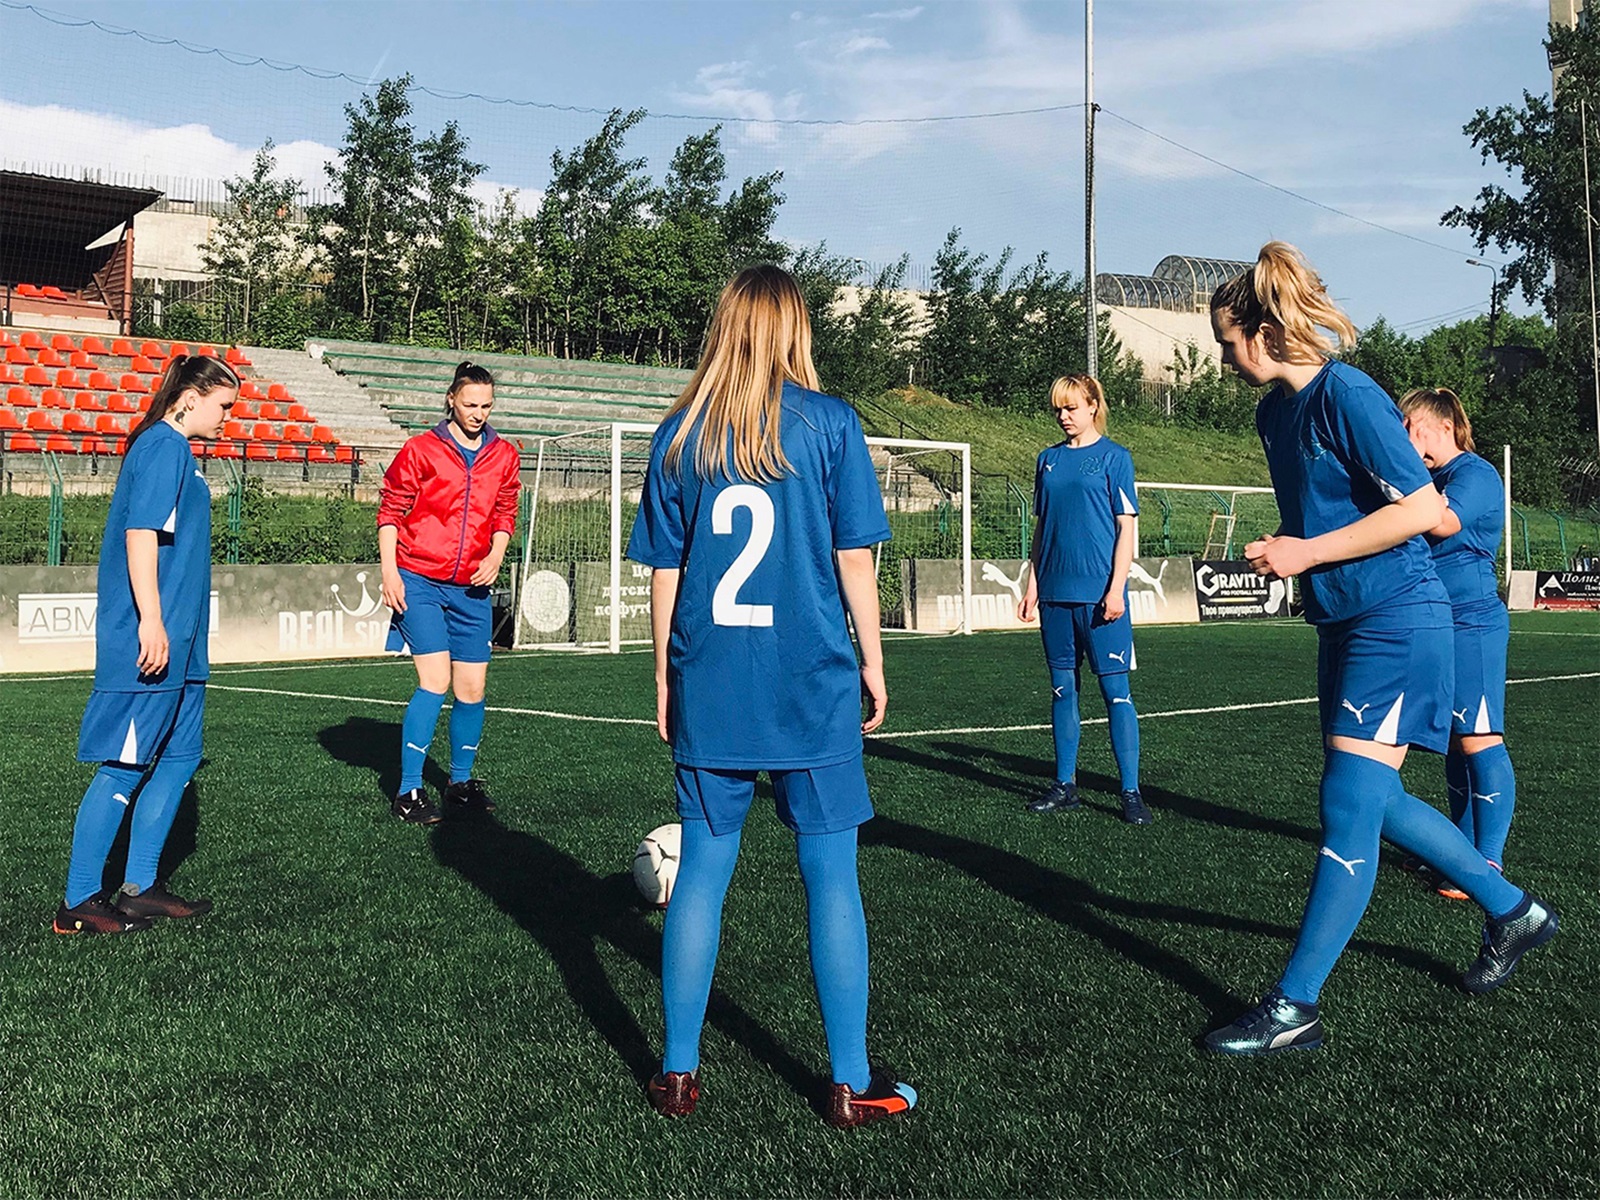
x,y
1588,228
1091,309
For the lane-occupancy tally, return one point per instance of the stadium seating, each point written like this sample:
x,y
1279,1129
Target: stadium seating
x,y
66,395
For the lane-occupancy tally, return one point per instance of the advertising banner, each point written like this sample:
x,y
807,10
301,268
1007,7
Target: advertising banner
x,y
592,601
258,614
1567,589
1231,591
1160,592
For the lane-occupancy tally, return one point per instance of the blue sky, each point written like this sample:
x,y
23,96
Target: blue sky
x,y
1357,104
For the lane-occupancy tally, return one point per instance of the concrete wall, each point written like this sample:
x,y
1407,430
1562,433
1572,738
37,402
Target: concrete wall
x,y
1154,333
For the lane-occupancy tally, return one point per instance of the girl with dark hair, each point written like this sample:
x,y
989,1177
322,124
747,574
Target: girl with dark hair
x,y
445,517
153,615
1478,777
1355,500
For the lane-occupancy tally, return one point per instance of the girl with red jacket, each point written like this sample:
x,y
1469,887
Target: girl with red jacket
x,y
448,508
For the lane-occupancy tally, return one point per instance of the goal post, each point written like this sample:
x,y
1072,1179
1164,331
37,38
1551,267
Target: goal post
x,y
1182,518
576,588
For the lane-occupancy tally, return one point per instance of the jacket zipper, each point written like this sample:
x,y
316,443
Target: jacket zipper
x,y
466,509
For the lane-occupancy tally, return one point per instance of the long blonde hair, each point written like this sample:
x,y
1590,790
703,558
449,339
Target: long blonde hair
x,y
1443,405
1283,289
760,338
1084,387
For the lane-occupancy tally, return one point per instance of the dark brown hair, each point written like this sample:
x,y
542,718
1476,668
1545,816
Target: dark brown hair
x,y
466,372
185,371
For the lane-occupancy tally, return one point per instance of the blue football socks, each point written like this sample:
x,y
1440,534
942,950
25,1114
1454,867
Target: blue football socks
x,y
1493,785
1422,830
1124,721
100,814
153,815
1064,721
1458,790
466,730
416,735
690,937
838,930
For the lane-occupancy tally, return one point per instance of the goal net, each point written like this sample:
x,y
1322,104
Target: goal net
x,y
578,589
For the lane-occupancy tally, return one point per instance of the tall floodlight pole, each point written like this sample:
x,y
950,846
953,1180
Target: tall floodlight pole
x,y
1093,356
1494,307
1588,228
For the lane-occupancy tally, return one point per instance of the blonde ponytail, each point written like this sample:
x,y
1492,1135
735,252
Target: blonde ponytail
x,y
1444,405
1283,289
1085,387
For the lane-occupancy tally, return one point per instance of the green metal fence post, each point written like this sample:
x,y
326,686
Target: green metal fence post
x,y
57,490
1527,551
1024,519
235,508
1166,522
1561,533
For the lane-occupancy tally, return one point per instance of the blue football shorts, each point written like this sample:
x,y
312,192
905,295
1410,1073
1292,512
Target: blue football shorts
x,y
1388,676
139,727
809,799
1479,703
454,617
1073,632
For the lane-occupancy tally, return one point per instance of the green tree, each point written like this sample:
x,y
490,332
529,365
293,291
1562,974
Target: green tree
x,y
253,250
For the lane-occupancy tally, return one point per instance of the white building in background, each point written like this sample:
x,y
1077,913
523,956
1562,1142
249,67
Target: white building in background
x,y
1161,314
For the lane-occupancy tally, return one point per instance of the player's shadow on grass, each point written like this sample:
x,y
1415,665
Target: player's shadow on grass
x,y
568,910
375,746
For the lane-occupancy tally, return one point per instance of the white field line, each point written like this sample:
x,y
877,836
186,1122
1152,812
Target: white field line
x,y
909,733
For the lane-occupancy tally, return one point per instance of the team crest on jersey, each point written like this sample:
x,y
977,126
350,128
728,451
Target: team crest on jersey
x,y
1093,466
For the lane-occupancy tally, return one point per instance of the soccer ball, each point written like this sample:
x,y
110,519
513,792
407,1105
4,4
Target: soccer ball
x,y
655,864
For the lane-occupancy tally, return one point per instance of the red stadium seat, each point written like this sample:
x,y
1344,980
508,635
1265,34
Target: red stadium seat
x,y
206,351
152,350
88,402
49,358
29,339
288,453
321,433
106,423
237,430
52,292
293,433
9,421
81,361
5,338
144,403
122,446
36,376
143,365
249,391
118,403
63,343
21,397
27,289
256,452
319,454
77,422
54,398
226,450
344,454
94,445
42,422
243,410
7,375
123,348
235,357
270,411
59,443
23,443
68,378
197,448
93,345
101,382
178,348
132,383
18,356
264,433
299,412
276,391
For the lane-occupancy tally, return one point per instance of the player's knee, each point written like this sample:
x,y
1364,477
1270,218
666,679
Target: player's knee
x,y
1115,689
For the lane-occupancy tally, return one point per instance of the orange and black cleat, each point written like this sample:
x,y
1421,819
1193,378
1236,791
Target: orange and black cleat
x,y
157,901
674,1093
885,1096
97,915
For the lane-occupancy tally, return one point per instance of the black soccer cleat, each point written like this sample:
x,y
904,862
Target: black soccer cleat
x,y
470,794
1271,1027
1531,924
1062,797
1134,810
674,1093
157,901
885,1096
415,808
97,915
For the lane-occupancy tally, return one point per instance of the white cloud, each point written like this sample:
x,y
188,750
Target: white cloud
x,y
896,14
861,42
726,89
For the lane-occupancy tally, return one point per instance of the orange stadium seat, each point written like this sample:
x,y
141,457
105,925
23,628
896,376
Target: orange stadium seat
x,y
270,411
101,382
60,443
321,433
27,289
54,293
29,339
5,338
299,412
68,378
344,454
178,348
132,383
206,351
264,433
54,398
42,421
236,430
94,445
293,433
81,361
249,391
319,454
118,403
93,345
143,403
152,350
243,410
142,364
88,402
7,375
63,343
123,348
226,450
49,358
19,356
276,391
77,422
256,452
288,453
36,376
9,420
122,446
106,423
21,397
23,443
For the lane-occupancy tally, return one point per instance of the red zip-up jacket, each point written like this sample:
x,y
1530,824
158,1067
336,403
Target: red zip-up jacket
x,y
447,515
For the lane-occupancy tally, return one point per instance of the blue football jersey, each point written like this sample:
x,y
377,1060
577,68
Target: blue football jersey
x,y
1078,494
1465,560
761,670
159,488
1337,451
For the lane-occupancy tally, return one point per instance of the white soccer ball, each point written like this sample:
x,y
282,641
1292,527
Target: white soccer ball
x,y
655,864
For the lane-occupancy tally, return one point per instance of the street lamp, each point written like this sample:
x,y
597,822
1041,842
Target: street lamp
x,y
1494,306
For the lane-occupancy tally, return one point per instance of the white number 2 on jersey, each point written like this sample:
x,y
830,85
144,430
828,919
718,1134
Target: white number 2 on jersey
x,y
725,606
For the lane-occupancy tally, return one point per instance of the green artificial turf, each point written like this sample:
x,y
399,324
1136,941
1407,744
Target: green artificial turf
x,y
376,1009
